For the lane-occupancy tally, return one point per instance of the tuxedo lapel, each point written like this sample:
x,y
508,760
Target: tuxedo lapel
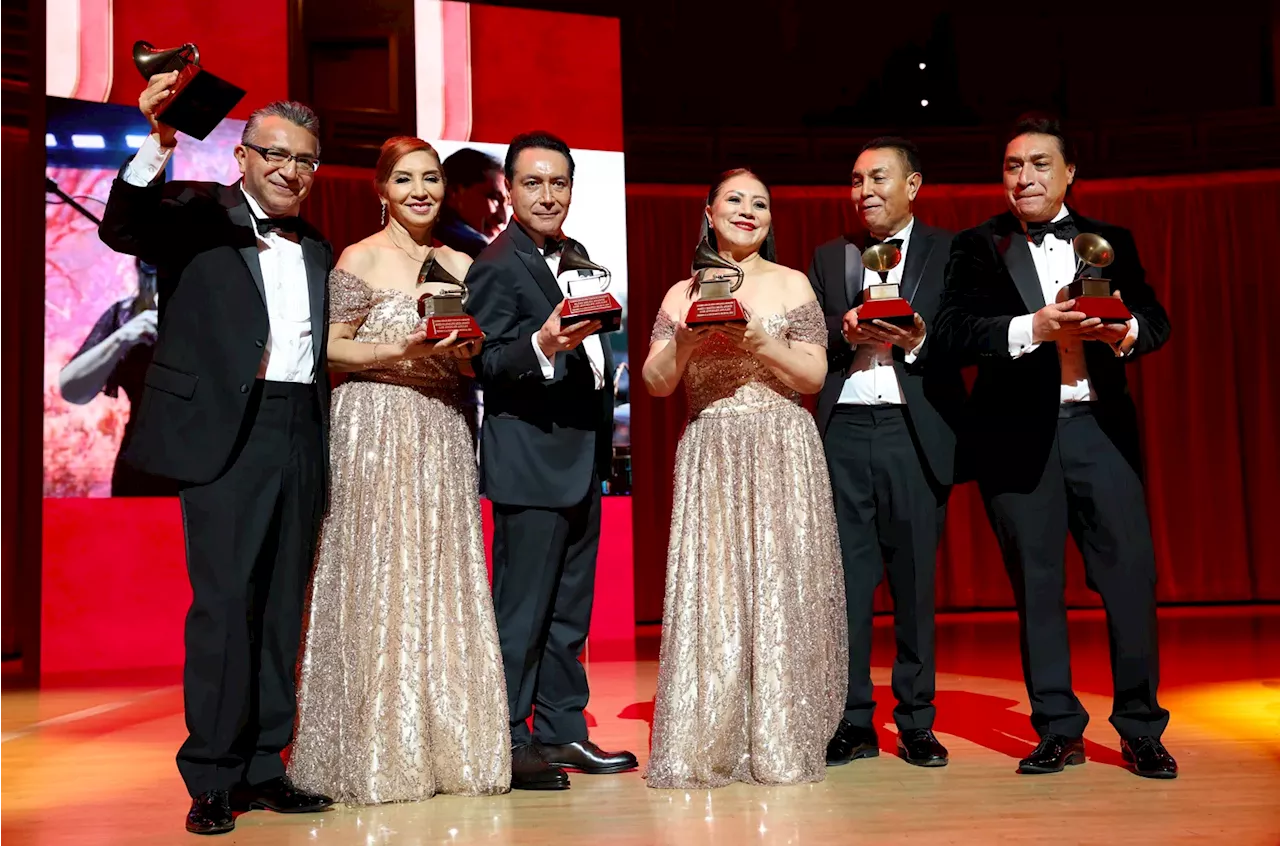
x,y
852,271
918,252
533,261
242,218
313,259
1011,244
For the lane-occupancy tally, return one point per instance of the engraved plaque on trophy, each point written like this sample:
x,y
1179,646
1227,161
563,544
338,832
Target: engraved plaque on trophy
x,y
717,278
1092,293
601,305
884,301
198,101
443,312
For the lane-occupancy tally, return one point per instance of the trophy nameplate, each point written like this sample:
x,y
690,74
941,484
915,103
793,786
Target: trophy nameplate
x,y
198,100
443,313
601,306
884,301
716,302
1091,293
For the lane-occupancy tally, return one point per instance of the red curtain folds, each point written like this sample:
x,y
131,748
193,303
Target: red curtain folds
x,y
1208,406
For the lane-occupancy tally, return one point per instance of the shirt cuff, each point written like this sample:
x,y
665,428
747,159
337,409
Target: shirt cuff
x,y
911,357
548,369
1020,335
1130,340
148,163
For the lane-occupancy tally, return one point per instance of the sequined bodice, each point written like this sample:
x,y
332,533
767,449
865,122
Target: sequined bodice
x,y
720,378
387,316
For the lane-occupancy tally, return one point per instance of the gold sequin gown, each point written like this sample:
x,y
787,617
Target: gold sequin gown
x,y
753,664
400,690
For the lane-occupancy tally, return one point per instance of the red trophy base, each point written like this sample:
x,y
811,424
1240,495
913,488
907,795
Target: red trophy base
x,y
1108,309
439,327
602,307
715,311
895,311
198,102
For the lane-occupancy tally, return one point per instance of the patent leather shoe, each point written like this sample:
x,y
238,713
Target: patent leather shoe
x,y
211,813
921,748
585,757
1053,755
1149,758
530,771
281,795
851,743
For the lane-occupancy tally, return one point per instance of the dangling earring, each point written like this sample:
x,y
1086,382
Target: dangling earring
x,y
384,213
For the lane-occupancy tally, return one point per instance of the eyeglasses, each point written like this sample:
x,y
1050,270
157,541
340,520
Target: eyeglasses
x,y
279,158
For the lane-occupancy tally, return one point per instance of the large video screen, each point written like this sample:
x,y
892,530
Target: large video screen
x,y
100,305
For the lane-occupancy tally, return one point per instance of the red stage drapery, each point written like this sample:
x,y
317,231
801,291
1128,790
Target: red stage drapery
x,y
1210,412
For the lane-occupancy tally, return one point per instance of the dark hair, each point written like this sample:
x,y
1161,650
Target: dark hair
x,y
906,150
537,140
1043,123
468,166
768,250
395,149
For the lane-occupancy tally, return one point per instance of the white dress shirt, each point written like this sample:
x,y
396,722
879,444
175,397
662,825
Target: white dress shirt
x,y
595,352
289,349
872,379
1055,262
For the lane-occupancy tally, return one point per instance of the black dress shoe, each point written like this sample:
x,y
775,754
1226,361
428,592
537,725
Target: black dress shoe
x,y
530,771
281,795
851,743
1054,754
211,813
585,757
1149,757
921,748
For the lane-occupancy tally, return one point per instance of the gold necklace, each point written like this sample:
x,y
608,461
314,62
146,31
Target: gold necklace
x,y
425,256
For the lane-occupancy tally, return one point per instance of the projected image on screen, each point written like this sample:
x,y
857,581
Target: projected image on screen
x,y
100,309
472,101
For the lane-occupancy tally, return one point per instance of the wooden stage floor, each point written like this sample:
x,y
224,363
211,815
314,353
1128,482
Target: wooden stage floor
x,y
94,765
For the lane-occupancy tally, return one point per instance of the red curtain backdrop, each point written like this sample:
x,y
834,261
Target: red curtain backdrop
x,y
1209,408
1208,401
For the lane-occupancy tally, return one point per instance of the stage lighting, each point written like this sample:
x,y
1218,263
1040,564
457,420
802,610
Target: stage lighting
x,y
88,142
49,140
134,141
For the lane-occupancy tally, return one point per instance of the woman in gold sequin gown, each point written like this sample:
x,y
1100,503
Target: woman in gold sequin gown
x,y
401,694
753,666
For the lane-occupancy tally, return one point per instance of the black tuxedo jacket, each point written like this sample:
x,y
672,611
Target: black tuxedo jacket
x,y
213,320
541,438
991,278
931,385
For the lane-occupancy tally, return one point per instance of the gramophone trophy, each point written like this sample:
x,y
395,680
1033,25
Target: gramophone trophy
x,y
198,101
883,302
443,311
1093,294
599,306
717,279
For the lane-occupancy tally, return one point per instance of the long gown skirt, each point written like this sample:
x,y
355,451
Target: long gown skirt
x,y
754,657
401,692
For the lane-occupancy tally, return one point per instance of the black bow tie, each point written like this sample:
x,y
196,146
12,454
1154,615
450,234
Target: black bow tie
x,y
1064,229
291,225
873,240
553,245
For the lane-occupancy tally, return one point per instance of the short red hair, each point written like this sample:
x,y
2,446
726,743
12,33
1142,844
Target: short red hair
x,y
395,149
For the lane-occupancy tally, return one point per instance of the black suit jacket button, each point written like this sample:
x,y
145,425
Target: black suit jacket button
x,y
244,389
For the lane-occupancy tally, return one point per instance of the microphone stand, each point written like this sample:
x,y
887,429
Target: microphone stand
x,y
51,187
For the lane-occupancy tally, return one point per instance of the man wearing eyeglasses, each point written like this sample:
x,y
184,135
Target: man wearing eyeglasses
x,y
235,409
